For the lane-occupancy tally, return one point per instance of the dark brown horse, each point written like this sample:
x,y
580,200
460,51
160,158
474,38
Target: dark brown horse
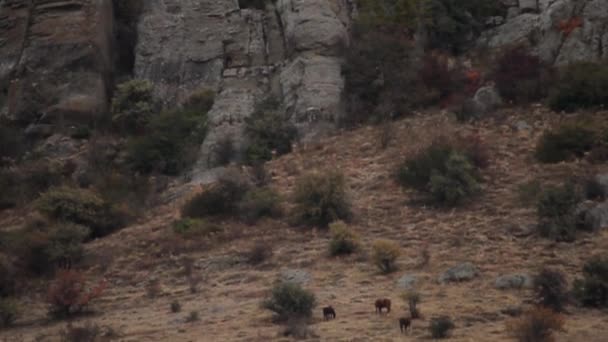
x,y
404,324
329,313
383,303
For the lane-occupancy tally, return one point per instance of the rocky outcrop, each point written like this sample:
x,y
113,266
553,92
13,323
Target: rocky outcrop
x,y
559,31
55,60
289,50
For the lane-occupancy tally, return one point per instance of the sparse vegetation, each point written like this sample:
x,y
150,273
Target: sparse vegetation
x,y
259,253
321,198
87,333
268,132
564,143
82,207
555,209
537,325
592,289
550,288
343,239
580,85
385,254
412,299
193,317
440,327
289,301
193,228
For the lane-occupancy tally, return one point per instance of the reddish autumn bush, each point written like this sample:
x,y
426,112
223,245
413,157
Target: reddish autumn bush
x,y
69,293
521,77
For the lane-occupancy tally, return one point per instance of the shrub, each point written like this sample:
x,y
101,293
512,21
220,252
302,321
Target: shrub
x,y
65,247
193,317
343,239
321,199
25,182
176,306
82,207
537,325
439,78
268,131
580,85
256,4
86,333
68,294
224,151
133,105
412,299
9,312
550,289
592,290
221,198
564,143
385,254
171,143
259,253
192,228
290,300
440,327
521,77
7,281
200,101
456,184
556,212
258,203
444,171
11,143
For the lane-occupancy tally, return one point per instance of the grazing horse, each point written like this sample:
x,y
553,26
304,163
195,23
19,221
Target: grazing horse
x,y
383,303
404,324
329,313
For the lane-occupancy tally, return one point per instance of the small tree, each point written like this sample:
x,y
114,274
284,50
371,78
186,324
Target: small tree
x,y
321,199
289,300
133,105
412,299
69,295
385,254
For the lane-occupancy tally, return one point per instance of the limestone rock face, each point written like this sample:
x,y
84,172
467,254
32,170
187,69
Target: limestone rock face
x,y
290,50
559,31
55,59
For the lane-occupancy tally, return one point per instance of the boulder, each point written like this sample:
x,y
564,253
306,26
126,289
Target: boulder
x,y
513,281
461,272
593,216
296,276
488,99
407,282
528,5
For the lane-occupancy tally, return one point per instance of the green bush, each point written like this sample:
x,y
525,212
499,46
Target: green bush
x,y
22,184
133,105
171,143
192,228
290,300
565,142
580,85
9,312
443,170
592,290
82,207
440,327
343,239
385,254
222,198
458,182
258,203
556,212
321,199
268,131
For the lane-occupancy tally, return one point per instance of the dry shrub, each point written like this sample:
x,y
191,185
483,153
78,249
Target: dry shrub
x,y
592,289
290,301
259,253
550,289
537,325
69,294
385,254
220,199
343,239
440,327
176,306
87,333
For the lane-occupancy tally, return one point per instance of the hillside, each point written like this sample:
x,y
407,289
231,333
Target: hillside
x,y
491,232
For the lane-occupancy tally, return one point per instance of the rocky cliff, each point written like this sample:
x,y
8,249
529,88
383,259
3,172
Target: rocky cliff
x,y
58,57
